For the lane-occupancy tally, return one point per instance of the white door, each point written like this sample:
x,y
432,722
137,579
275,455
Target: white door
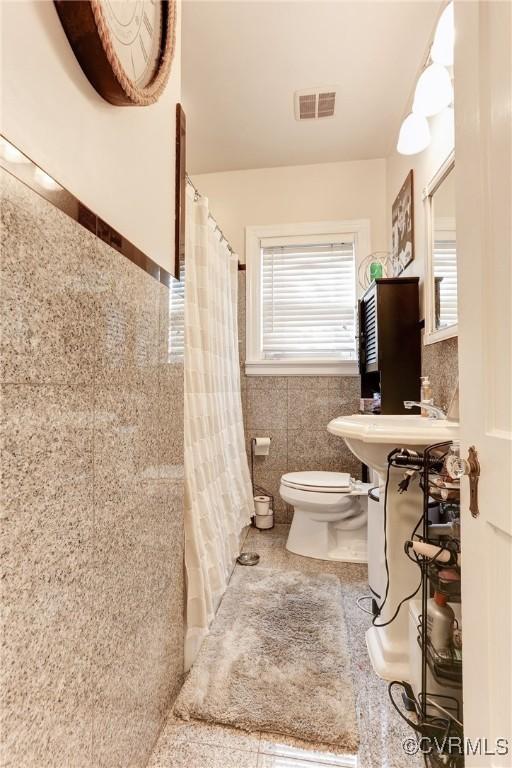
x,y
483,86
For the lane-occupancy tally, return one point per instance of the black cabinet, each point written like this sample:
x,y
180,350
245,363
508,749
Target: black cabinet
x,y
390,342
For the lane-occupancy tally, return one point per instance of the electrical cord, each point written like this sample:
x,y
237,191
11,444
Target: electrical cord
x,y
413,594
358,603
381,606
390,456
409,597
409,722
436,723
416,465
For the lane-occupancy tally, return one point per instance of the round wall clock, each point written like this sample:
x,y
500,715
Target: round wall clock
x,y
125,47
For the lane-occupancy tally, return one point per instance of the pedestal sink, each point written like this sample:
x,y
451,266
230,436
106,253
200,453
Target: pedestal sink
x,y
371,439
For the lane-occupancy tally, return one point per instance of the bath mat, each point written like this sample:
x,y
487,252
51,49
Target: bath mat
x,y
276,660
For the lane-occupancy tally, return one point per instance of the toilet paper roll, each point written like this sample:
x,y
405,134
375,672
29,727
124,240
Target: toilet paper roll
x,y
264,521
262,505
261,446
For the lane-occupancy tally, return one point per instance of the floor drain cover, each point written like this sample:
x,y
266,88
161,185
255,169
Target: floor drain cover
x,y
248,558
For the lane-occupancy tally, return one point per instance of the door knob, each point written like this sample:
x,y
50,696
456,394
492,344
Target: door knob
x,y
457,468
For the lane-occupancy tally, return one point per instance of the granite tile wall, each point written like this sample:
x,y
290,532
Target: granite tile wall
x,y
92,496
440,363
294,411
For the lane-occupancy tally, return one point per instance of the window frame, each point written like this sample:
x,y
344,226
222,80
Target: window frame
x,y
432,334
255,364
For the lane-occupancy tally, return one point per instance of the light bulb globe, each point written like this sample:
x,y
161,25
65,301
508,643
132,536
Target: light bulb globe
x,y
434,91
444,38
414,135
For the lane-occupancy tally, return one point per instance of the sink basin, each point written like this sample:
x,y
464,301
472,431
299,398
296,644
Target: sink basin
x,y
416,430
371,439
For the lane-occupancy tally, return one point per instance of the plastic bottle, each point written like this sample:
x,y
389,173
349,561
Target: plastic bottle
x,y
440,618
426,394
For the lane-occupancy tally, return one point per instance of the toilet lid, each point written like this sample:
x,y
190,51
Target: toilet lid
x,y
328,482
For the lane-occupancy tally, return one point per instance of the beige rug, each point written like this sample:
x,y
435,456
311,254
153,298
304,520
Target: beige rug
x,y
276,660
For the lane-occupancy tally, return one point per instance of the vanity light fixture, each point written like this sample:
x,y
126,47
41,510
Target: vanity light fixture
x,y
444,38
434,91
414,135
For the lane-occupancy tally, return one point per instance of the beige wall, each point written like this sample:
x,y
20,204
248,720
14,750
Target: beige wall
x,y
119,161
425,165
350,190
328,191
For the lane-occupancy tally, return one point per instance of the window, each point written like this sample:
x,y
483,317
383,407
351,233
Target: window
x,y
176,347
302,297
308,301
445,279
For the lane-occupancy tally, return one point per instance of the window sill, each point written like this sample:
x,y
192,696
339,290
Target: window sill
x,y
432,337
301,368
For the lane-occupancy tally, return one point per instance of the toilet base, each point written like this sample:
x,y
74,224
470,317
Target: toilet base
x,y
326,541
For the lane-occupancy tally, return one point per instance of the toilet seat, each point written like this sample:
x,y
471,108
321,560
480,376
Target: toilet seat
x,y
319,482
329,515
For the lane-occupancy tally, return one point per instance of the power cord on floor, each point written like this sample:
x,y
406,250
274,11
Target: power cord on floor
x,y
358,603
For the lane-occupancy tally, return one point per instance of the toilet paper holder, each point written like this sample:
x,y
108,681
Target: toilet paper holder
x,y
259,490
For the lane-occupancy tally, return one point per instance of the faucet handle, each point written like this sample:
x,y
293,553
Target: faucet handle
x,y
433,411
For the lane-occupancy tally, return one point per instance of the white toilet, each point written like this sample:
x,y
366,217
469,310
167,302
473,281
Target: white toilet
x,y
330,515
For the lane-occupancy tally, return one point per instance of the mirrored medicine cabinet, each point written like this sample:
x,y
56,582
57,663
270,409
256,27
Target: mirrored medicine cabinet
x,y
441,315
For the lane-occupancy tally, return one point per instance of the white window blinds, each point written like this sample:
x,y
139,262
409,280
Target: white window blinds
x,y
177,319
445,276
308,297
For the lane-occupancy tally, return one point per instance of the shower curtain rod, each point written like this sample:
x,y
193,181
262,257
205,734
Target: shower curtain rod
x,y
217,228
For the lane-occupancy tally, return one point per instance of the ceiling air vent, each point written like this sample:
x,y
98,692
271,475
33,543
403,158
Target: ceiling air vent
x,y
315,104
307,106
326,104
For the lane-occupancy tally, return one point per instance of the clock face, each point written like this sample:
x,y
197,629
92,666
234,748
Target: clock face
x,y
136,33
125,47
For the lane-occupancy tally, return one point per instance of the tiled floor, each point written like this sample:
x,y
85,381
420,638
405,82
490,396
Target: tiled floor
x,y
197,745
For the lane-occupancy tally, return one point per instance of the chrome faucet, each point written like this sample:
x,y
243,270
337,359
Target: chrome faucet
x,y
434,412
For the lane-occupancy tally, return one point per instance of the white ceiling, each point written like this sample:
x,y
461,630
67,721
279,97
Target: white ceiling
x,y
242,62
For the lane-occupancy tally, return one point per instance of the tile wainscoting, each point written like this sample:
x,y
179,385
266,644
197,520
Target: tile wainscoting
x,y
294,411
440,361
92,487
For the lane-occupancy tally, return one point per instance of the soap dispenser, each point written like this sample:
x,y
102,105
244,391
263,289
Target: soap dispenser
x,y
426,393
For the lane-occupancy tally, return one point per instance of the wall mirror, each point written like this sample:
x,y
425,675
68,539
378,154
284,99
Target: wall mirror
x,y
441,263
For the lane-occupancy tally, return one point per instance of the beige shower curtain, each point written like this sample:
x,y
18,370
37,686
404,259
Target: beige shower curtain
x,y
218,493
